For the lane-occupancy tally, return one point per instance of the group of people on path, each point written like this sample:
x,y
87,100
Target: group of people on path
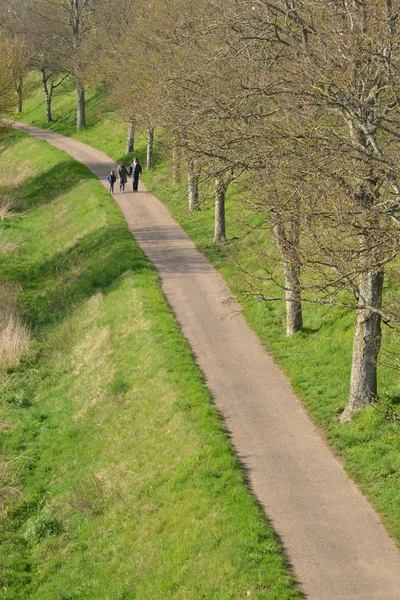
x,y
134,171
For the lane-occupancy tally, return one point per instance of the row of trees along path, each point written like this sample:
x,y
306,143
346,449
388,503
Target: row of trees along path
x,y
338,547
297,101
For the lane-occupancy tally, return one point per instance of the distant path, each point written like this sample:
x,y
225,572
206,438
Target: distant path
x,y
338,548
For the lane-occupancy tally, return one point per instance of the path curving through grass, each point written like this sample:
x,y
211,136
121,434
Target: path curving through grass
x,y
334,539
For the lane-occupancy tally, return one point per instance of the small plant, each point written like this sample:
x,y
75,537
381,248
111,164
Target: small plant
x,y
42,525
118,386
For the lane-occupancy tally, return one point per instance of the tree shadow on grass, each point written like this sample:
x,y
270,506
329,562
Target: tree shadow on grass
x,y
54,287
8,138
247,473
394,400
296,584
310,330
38,190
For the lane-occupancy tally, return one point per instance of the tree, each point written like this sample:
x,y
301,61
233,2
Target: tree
x,y
6,76
19,67
128,65
43,28
50,82
60,34
354,55
18,47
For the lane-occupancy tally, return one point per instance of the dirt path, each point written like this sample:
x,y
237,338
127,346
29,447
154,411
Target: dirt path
x,y
335,542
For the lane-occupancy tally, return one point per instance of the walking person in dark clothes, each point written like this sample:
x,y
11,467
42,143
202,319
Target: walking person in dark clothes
x,y
135,170
123,176
111,180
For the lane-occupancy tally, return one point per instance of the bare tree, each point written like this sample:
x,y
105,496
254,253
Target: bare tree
x,y
50,82
60,32
77,15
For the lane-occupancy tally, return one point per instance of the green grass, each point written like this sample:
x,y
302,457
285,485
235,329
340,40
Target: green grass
x,y
317,360
118,478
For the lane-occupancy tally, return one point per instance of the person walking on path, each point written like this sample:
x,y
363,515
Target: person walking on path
x,y
111,180
135,170
123,176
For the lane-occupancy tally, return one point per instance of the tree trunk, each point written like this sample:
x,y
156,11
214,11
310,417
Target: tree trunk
x,y
48,94
294,315
366,345
130,139
150,144
80,106
193,187
48,108
219,222
291,268
18,89
176,165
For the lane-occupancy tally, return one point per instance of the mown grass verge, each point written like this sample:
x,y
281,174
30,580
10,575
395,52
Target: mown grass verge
x,y
117,480
316,360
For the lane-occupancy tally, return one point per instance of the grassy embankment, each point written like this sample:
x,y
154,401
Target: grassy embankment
x,y
116,477
317,360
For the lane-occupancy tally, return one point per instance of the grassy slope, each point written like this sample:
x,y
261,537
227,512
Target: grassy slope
x,y
118,477
316,360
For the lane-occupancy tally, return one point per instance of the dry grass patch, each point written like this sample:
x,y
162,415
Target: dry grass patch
x,y
90,496
15,340
90,359
9,491
12,178
94,494
7,203
6,245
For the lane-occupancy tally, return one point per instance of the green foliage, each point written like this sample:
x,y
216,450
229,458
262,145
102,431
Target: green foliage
x,y
120,480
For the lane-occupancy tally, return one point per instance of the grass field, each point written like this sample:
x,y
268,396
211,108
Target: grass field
x,y
317,360
117,481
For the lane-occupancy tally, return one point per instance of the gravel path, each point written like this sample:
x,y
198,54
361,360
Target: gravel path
x,y
335,542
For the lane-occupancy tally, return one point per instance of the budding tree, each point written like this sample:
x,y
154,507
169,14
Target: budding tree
x,y
6,76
